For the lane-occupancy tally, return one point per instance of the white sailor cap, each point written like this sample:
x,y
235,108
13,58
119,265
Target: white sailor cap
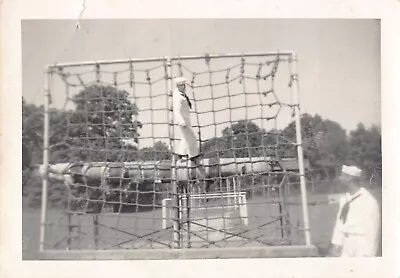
x,y
180,80
351,171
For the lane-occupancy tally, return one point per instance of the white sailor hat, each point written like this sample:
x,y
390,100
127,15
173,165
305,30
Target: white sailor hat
x,y
180,80
351,171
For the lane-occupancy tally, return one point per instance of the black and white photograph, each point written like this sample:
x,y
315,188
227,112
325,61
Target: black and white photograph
x,y
201,139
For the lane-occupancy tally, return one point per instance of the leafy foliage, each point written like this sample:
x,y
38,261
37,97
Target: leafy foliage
x,y
244,139
98,129
216,147
324,142
102,126
365,149
159,151
32,139
109,118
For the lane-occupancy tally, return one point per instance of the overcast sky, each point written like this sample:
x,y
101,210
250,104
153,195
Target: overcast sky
x,y
338,67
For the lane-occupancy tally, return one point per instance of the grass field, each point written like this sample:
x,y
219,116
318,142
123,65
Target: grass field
x,y
322,217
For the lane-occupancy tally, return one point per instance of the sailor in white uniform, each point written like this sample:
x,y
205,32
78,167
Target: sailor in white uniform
x,y
188,146
357,227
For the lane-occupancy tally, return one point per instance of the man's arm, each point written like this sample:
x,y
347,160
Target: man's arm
x,y
182,112
333,251
179,111
335,247
371,221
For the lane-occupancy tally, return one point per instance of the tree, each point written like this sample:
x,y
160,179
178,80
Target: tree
x,y
215,147
32,150
32,134
32,130
278,146
365,149
58,129
103,118
324,144
159,151
244,138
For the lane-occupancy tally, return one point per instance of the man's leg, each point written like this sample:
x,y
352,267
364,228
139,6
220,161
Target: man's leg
x,y
182,150
196,162
193,151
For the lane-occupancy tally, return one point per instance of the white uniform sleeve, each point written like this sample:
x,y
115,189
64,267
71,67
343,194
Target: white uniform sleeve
x,y
371,224
337,236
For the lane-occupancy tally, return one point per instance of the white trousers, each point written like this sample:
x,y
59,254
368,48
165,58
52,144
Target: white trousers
x,y
188,145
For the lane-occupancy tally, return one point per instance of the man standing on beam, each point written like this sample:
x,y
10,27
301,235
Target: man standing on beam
x,y
189,146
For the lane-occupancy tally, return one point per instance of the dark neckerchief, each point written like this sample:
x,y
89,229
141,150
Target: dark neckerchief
x,y
345,210
187,98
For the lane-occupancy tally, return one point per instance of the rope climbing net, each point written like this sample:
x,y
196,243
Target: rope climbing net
x,y
109,143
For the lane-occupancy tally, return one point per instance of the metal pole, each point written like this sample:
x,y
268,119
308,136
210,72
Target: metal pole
x,y
295,91
164,213
45,158
107,62
282,214
188,220
286,197
69,239
181,205
96,230
235,191
174,184
235,55
283,53
228,189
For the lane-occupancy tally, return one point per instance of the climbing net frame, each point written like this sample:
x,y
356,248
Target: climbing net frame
x,y
178,252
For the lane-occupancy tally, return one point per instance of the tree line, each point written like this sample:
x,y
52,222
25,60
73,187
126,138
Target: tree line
x,y
325,143
103,118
